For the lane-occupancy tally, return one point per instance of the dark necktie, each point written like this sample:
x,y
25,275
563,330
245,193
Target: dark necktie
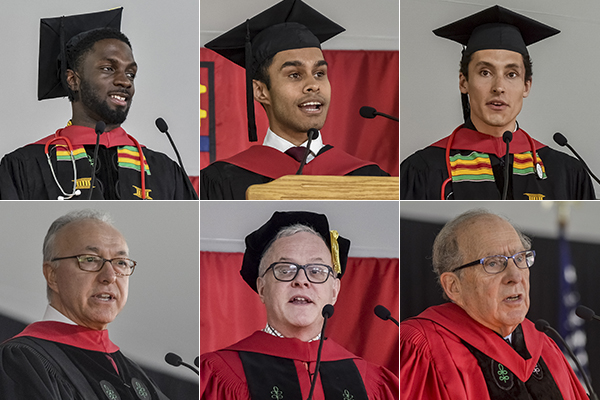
x,y
297,153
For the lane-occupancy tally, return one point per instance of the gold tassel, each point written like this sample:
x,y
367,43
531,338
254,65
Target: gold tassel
x,y
335,252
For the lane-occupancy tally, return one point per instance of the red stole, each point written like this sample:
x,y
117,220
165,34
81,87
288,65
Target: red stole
x,y
81,135
274,164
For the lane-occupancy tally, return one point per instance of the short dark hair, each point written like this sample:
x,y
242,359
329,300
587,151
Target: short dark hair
x,y
464,69
262,72
75,54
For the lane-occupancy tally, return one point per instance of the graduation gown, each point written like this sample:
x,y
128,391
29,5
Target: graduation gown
x,y
26,175
477,163
223,376
56,361
228,179
439,351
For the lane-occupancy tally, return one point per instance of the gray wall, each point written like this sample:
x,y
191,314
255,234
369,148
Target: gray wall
x,y
370,25
165,45
162,311
565,78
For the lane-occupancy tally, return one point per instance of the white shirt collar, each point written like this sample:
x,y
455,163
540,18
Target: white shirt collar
x,y
509,338
281,144
52,314
272,331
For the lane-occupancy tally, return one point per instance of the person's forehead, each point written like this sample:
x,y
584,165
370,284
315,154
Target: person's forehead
x,y
89,232
304,243
110,47
308,55
488,235
494,56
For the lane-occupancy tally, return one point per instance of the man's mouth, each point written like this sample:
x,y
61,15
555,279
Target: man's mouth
x,y
107,297
119,99
515,297
497,104
311,106
300,300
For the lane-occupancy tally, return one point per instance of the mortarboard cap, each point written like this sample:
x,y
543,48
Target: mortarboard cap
x,y
258,241
55,33
289,24
496,28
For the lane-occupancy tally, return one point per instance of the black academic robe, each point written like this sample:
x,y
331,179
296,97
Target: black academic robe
x,y
228,179
445,354
263,366
56,361
26,175
478,171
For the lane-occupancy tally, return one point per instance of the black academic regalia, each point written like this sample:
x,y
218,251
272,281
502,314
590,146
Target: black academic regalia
x,y
25,174
35,368
423,173
229,179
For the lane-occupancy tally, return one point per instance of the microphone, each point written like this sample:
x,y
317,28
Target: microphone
x,y
562,141
176,361
327,313
312,135
100,127
162,126
586,313
384,314
507,138
370,112
543,326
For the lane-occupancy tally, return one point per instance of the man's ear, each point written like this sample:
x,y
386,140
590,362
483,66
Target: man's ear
x,y
451,285
261,93
260,287
463,84
50,275
73,80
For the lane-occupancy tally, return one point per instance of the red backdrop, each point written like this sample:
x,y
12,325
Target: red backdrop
x,y
230,310
358,78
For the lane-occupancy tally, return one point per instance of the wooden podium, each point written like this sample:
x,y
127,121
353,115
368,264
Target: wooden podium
x,y
317,187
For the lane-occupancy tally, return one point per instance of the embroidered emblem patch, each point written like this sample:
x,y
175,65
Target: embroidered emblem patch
x,y
347,395
109,390
140,389
276,393
538,373
502,376
138,193
534,196
83,183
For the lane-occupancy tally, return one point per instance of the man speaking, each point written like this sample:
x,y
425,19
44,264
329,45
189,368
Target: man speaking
x,y
480,345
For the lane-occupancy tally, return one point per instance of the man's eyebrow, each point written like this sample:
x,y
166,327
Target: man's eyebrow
x,y
297,63
115,61
97,250
490,65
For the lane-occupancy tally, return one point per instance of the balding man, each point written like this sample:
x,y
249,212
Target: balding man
x,y
480,345
68,355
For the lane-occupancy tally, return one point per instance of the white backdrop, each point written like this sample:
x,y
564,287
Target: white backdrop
x,y
565,79
165,45
162,311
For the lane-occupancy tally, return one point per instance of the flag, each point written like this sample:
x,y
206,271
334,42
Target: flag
x,y
570,325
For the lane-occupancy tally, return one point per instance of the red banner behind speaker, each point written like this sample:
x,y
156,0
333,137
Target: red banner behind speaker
x,y
358,78
230,310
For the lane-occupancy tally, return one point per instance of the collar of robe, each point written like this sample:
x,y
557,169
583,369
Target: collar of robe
x,y
81,135
72,335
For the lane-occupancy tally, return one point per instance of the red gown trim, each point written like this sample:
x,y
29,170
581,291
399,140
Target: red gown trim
x,y
272,163
72,335
81,135
468,139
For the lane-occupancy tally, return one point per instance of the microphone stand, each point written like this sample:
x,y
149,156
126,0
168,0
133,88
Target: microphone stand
x,y
100,127
327,312
312,134
507,138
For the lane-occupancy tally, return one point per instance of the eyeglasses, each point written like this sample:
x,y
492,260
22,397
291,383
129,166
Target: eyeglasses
x,y
497,264
287,271
93,263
